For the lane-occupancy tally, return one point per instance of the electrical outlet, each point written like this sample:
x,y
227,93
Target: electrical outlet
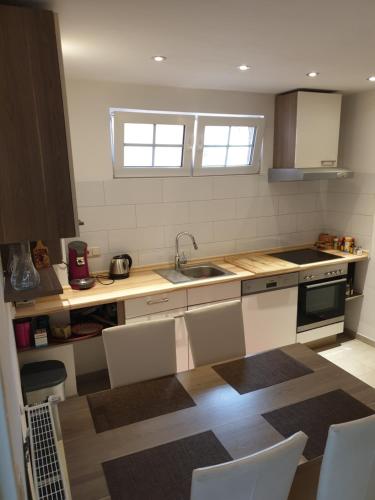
x,y
93,251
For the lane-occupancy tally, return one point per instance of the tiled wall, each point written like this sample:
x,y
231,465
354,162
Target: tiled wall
x,y
350,204
226,214
349,207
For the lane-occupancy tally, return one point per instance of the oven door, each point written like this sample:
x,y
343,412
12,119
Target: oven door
x,y
321,303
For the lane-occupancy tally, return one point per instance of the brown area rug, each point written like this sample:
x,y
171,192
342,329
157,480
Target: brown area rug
x,y
261,371
133,403
314,417
163,472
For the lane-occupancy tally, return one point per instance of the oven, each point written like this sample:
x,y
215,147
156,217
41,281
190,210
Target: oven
x,y
321,297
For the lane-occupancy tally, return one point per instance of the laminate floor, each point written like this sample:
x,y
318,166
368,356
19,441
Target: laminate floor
x,y
355,357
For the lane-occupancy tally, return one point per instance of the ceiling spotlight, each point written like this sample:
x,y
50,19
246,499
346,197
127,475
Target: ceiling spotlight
x,y
159,58
243,67
312,74
371,78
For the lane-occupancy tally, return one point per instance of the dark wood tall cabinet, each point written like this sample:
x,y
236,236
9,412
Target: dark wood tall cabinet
x,y
37,197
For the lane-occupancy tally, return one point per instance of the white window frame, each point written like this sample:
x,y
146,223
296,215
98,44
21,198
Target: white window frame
x,y
118,118
249,121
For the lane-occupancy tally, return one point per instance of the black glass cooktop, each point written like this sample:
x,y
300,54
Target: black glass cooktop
x,y
305,256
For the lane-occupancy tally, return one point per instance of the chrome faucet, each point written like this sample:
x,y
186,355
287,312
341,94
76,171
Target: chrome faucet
x,y
181,259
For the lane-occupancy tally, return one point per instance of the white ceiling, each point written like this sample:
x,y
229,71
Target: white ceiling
x,y
204,41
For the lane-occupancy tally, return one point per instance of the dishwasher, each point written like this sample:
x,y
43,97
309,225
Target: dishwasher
x,y
269,307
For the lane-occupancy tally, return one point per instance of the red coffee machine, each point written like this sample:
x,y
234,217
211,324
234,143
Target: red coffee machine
x,y
79,276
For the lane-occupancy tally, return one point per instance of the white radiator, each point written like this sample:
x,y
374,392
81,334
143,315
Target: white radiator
x,y
49,475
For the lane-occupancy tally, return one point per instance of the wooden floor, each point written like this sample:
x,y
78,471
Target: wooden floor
x,y
236,420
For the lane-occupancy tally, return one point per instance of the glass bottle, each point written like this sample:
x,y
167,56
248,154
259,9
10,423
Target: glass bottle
x,y
24,275
12,257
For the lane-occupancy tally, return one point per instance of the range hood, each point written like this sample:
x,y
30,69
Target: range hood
x,y
307,174
306,137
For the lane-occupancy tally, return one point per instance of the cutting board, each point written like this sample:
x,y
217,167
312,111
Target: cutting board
x,y
262,265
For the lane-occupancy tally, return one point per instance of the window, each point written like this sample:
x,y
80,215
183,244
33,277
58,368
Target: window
x,y
228,145
151,144
147,144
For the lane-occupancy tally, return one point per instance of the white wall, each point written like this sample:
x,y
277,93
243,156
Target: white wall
x,y
350,204
227,214
11,448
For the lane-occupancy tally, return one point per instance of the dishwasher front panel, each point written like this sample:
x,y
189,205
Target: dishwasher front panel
x,y
270,319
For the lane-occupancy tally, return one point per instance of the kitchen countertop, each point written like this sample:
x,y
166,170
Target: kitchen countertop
x,y
264,264
144,281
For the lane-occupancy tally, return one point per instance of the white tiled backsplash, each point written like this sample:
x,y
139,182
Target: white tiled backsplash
x,y
349,208
226,214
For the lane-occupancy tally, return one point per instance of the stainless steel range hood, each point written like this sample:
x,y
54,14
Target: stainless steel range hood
x,y
307,174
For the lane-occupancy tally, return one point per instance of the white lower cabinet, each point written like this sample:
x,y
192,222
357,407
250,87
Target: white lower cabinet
x,y
182,345
270,319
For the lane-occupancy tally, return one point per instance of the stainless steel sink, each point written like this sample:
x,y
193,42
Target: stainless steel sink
x,y
192,273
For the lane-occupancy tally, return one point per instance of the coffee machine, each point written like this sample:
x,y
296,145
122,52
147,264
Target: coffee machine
x,y
78,268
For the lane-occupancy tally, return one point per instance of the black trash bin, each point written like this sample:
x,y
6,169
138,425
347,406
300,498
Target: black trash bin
x,y
43,379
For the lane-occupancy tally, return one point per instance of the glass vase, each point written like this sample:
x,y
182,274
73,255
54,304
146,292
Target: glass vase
x,y
24,275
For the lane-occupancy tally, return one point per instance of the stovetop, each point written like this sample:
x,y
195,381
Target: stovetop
x,y
305,256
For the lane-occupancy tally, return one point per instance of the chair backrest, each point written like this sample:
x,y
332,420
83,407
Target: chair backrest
x,y
140,351
216,332
266,475
348,467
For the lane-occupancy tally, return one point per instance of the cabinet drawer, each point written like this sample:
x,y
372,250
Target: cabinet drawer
x,y
150,304
214,293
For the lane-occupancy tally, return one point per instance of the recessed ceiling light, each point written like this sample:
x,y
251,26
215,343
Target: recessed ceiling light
x,y
159,58
371,78
312,74
243,67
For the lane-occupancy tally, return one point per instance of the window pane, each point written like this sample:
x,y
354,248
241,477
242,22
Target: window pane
x,y
138,133
238,156
215,135
168,157
137,156
169,134
214,157
241,136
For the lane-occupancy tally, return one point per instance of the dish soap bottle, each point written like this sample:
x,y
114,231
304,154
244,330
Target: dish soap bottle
x,y
24,275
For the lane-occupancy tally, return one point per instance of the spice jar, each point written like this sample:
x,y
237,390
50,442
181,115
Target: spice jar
x,y
348,244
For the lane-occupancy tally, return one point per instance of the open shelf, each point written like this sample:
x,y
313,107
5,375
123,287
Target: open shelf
x,y
49,285
356,295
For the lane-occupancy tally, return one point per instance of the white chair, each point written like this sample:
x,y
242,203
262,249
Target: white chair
x,y
216,332
348,467
267,475
140,351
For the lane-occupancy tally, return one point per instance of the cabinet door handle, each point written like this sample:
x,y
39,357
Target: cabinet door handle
x,y
328,163
151,302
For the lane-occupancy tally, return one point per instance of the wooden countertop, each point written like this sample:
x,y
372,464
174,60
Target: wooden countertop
x,y
265,264
144,281
235,419
141,282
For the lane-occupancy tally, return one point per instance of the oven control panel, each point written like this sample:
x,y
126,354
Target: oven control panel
x,y
323,272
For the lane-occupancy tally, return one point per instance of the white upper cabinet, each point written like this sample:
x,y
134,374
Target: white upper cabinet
x,y
317,129
307,126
